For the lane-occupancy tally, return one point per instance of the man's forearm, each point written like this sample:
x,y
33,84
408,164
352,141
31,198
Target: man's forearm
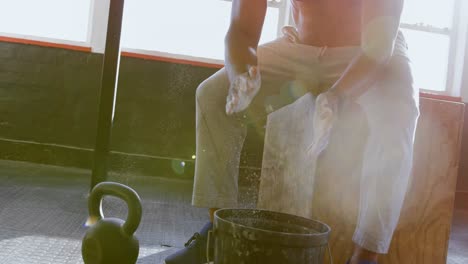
x,y
240,51
380,23
243,35
237,40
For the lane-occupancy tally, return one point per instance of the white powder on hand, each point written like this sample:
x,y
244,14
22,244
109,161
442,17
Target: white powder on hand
x,y
243,90
324,116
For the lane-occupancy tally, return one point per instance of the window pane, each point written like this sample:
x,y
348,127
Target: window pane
x,y
437,13
197,29
57,19
429,55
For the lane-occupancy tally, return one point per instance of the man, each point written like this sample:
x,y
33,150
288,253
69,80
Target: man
x,y
347,50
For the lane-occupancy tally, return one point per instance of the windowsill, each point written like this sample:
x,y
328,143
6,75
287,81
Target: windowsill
x,y
133,53
45,42
438,96
173,58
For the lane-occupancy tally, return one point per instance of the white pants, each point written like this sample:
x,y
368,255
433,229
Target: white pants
x,y
289,70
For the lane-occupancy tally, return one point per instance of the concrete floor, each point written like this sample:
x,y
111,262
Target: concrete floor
x,y
43,208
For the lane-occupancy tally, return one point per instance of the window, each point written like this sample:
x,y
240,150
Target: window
x,y
186,27
50,19
429,31
196,28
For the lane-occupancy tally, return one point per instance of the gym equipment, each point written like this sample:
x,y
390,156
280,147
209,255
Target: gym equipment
x,y
108,92
260,236
111,240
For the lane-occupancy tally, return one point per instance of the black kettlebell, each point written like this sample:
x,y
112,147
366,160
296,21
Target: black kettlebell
x,y
111,240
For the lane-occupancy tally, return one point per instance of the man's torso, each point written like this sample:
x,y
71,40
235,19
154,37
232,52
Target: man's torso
x,y
331,23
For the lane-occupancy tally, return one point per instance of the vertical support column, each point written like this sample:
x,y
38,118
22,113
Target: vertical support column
x,y
109,81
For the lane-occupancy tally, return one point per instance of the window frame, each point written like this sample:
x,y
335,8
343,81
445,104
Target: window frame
x,y
97,28
457,41
458,50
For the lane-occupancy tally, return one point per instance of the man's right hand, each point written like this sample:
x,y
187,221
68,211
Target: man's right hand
x,y
244,78
243,90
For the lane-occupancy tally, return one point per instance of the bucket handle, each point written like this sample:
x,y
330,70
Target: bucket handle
x,y
330,257
208,244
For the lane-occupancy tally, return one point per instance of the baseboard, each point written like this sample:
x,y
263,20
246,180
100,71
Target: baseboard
x,y
70,156
119,162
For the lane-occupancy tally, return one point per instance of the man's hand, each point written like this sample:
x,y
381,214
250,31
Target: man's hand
x,y
326,111
243,74
242,91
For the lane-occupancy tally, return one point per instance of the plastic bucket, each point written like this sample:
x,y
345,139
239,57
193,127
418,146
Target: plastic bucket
x,y
245,236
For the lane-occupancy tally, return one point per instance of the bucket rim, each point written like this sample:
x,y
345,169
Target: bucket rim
x,y
321,237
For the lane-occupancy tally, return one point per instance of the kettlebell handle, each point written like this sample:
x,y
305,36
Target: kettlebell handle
x,y
123,192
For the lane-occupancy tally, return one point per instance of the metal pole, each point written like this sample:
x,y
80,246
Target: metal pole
x,y
109,81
